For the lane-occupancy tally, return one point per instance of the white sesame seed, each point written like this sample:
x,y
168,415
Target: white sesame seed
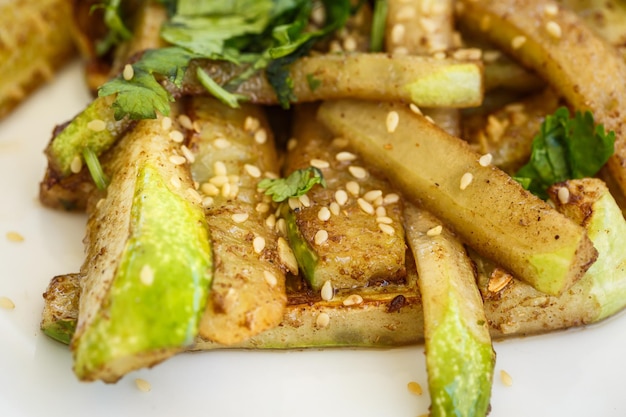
x,y
334,208
270,278
189,156
554,29
219,180
397,33
485,160
207,202
146,275
319,163
234,190
551,9
252,170
129,72
281,226
393,118
491,55
177,136
177,159
291,144
143,385
321,236
391,198
221,143
209,189
345,156
335,46
239,217
365,206
260,136
318,15
233,178
6,303
353,188
340,142
305,200
166,123
414,388
518,41
14,237
341,197
327,291
349,44
439,55
372,195
294,203
381,211
219,168
358,172
324,214
175,181
415,109
378,201
429,119
77,164
226,190
322,320
563,195
270,221
384,219
387,229
185,121
96,125
286,256
258,244
352,300
466,180
251,124
434,231
262,207
506,378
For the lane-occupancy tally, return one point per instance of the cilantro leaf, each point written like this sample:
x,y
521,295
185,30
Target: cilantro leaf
x,y
261,34
296,184
231,100
142,96
118,31
565,148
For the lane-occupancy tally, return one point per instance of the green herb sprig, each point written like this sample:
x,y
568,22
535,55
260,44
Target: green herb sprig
x,y
262,34
565,148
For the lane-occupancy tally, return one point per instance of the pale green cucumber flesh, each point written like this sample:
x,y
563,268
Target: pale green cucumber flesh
x,y
460,367
161,285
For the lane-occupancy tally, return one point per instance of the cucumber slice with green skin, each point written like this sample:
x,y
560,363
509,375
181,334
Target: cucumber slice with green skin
x,y
248,292
487,208
149,263
94,128
392,315
365,243
591,204
459,354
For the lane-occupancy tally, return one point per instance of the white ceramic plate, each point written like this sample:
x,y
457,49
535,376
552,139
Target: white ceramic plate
x,y
575,373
